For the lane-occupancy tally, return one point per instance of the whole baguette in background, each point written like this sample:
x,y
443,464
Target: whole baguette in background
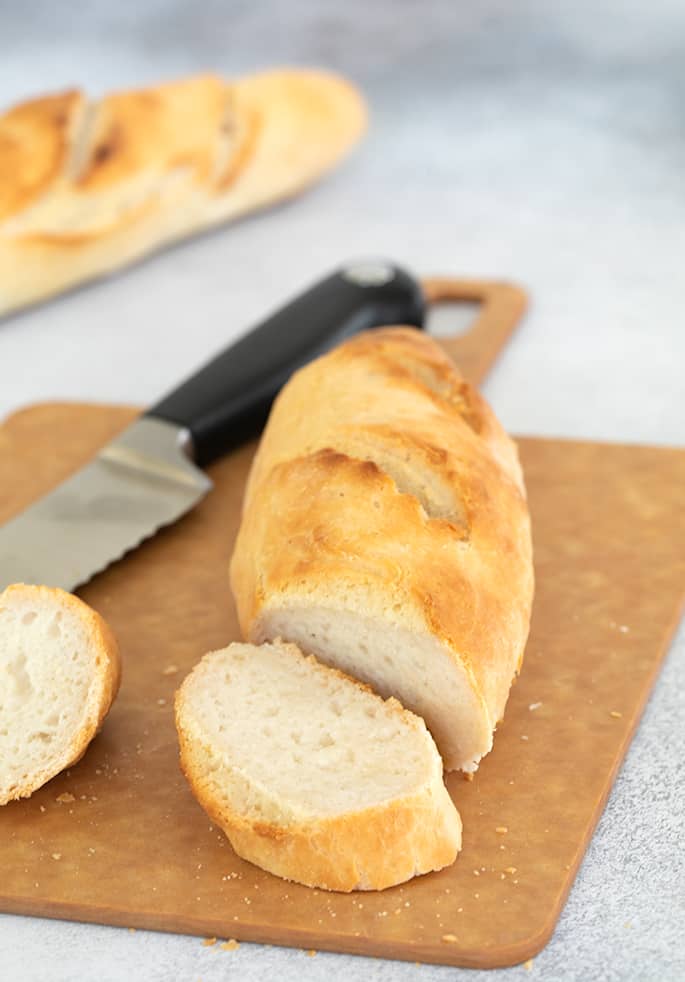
x,y
311,775
385,531
59,675
86,188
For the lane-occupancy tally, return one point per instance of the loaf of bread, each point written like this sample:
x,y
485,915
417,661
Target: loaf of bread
x,y
312,776
86,188
385,531
59,674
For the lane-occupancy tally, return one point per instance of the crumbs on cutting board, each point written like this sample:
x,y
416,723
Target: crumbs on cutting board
x,y
65,798
230,945
170,670
615,714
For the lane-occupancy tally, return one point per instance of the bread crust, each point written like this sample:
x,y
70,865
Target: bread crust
x,y
337,511
87,190
105,683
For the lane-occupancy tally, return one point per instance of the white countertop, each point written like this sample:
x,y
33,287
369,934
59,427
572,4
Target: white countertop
x,y
508,141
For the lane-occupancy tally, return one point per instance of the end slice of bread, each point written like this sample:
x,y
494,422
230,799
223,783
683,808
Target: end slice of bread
x,y
311,775
59,674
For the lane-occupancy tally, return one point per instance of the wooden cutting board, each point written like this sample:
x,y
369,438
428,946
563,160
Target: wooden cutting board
x,y
119,839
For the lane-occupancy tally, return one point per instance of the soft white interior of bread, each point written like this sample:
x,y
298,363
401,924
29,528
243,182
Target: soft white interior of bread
x,y
394,662
285,739
48,675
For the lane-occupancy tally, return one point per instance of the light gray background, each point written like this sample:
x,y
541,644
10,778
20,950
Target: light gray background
x,y
538,142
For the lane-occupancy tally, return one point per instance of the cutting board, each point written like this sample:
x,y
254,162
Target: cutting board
x,y
120,840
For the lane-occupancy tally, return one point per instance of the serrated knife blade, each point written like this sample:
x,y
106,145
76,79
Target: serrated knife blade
x,y
134,485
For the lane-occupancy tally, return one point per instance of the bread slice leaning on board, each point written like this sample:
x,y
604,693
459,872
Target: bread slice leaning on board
x,y
88,187
385,530
59,674
311,775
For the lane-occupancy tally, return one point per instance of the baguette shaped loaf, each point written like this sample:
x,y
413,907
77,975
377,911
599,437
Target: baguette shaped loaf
x,y
385,530
311,775
86,188
59,675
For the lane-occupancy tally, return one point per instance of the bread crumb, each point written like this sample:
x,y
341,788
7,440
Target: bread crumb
x,y
623,628
476,872
311,952
468,775
42,808
510,869
170,670
208,942
459,910
534,705
501,830
616,714
476,895
528,965
65,798
230,945
523,736
57,855
449,938
160,702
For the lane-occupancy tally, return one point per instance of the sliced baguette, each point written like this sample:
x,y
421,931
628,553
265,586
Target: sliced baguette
x,y
88,188
310,774
59,674
385,530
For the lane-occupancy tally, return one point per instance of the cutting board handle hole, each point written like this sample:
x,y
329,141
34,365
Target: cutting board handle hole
x,y
452,318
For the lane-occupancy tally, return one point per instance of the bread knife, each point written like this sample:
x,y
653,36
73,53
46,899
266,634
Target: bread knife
x,y
151,474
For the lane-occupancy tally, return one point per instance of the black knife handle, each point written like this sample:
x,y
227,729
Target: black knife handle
x,y
228,400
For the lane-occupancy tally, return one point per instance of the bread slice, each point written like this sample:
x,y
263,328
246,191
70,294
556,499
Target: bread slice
x,y
87,188
59,673
311,775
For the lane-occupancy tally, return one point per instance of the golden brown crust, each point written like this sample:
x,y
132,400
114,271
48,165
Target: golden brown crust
x,y
173,125
348,502
86,192
34,148
105,684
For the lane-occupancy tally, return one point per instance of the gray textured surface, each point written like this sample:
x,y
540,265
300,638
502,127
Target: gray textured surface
x,y
528,141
